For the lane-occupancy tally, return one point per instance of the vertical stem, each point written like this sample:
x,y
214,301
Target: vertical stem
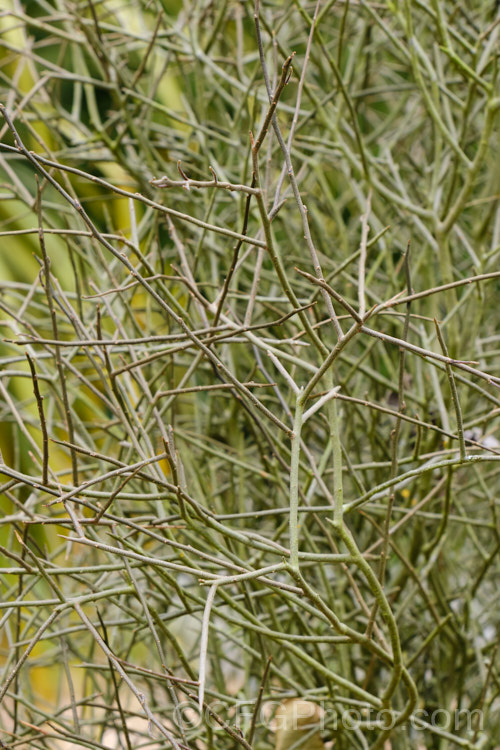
x,y
294,481
454,394
338,490
53,316
43,423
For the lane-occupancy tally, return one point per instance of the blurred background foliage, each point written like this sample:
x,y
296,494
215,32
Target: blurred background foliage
x,y
397,120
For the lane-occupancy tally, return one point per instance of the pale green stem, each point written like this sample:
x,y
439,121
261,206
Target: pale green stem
x,y
294,481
